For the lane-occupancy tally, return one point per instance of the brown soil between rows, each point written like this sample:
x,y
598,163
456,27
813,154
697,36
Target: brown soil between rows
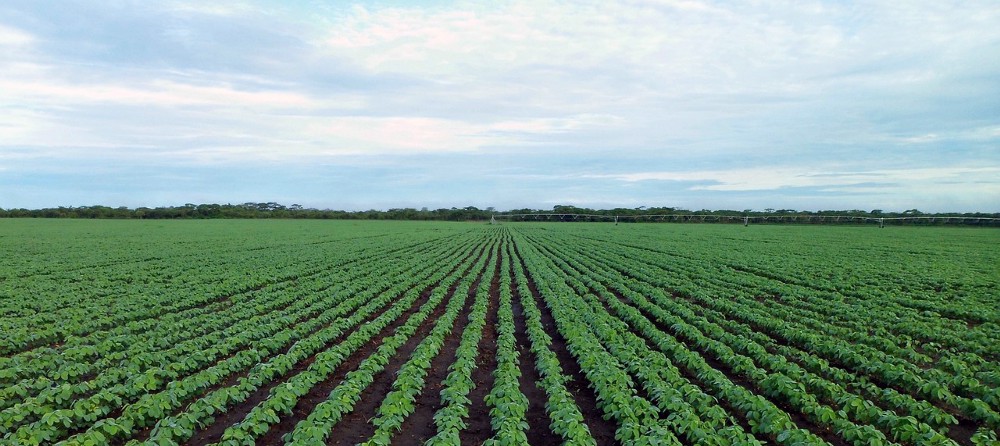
x,y
358,434
419,426
213,433
797,417
640,389
321,391
355,427
602,430
962,432
478,428
144,431
225,302
583,288
155,314
738,416
539,430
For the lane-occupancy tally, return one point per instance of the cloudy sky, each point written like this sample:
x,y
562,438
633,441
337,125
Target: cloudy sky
x,y
695,104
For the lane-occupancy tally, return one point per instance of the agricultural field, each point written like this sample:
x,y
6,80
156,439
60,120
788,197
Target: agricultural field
x,y
407,333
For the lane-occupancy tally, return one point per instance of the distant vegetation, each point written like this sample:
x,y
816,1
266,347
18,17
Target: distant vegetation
x,y
472,213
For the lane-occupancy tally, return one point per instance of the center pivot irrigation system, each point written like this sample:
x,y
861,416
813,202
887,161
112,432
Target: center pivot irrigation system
x,y
746,219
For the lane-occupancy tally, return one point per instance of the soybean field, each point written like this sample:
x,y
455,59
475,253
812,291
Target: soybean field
x,y
312,332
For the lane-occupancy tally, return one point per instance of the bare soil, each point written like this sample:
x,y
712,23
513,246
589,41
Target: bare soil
x,y
419,426
539,432
478,427
602,430
798,418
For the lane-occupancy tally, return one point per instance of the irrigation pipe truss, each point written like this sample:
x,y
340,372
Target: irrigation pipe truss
x,y
746,219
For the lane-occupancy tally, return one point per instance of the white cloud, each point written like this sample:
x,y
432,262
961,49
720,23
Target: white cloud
x,y
398,134
671,57
557,125
13,37
215,9
986,133
920,139
671,90
449,43
154,93
768,178
368,135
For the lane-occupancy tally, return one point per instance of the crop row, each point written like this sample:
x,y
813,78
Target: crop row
x,y
390,333
791,370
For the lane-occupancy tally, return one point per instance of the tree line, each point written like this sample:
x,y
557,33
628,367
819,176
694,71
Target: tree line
x,y
472,213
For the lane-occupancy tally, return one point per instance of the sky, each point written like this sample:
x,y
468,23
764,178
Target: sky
x,y
779,104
